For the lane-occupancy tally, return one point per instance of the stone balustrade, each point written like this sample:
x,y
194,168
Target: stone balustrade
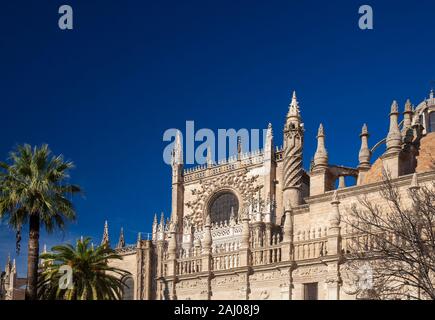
x,y
310,249
225,261
267,255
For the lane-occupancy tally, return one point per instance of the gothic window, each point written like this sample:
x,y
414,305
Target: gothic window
x,y
222,205
432,121
128,290
310,291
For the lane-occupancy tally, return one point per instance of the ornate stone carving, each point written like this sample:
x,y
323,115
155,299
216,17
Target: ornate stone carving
x,y
238,181
310,271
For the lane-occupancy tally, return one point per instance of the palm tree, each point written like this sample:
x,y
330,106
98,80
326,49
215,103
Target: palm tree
x,y
92,277
34,190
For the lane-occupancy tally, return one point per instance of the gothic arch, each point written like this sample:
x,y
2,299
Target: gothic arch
x,y
214,196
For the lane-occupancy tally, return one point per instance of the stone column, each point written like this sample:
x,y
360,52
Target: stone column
x,y
287,243
206,246
334,249
244,249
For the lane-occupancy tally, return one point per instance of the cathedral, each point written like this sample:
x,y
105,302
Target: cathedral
x,y
259,226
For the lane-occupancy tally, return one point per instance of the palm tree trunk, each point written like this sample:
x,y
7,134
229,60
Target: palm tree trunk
x,y
33,258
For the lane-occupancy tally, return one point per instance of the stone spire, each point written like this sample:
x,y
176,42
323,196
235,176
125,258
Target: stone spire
x,y
431,94
293,110
162,222
105,241
394,137
154,227
121,241
155,223
364,152
177,153
414,182
177,197
321,155
268,146
292,154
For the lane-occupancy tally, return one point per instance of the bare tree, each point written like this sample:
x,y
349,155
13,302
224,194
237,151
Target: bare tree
x,y
395,237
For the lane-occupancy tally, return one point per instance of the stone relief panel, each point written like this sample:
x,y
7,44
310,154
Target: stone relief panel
x,y
269,275
310,273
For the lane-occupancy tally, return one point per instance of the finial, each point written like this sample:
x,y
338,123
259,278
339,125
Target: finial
x,y
364,130
431,94
320,131
121,241
364,152
105,240
155,219
394,137
394,107
321,155
139,237
408,105
177,153
45,248
294,107
414,182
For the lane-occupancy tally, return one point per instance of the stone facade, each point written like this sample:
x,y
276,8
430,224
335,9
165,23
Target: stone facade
x,y
11,286
258,226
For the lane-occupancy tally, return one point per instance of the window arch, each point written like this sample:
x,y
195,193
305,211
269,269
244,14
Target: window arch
x,y
222,205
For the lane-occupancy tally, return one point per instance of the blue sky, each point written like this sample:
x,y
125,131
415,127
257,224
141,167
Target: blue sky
x,y
104,93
